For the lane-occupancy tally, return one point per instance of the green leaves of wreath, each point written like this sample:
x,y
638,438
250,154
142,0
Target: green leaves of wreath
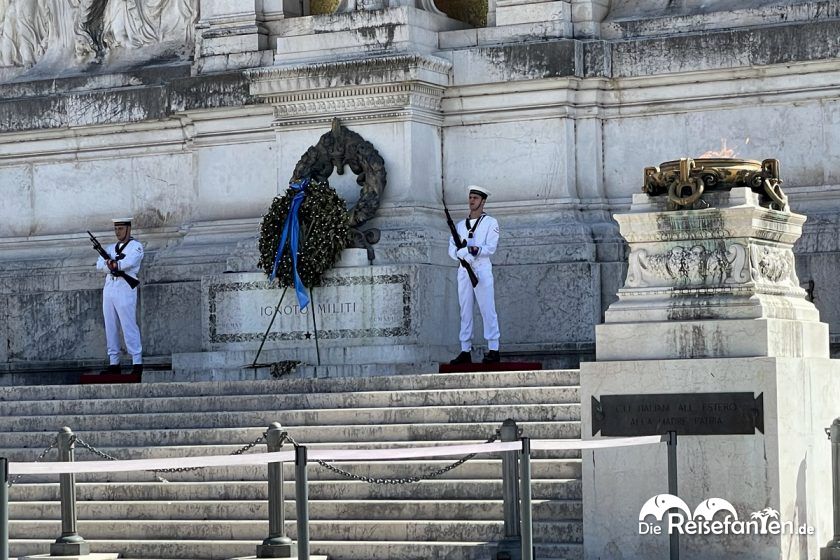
x,y
324,234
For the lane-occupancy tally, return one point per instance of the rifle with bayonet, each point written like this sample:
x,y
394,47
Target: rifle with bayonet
x,y
460,244
97,246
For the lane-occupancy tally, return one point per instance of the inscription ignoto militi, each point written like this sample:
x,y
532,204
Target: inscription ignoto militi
x,y
691,414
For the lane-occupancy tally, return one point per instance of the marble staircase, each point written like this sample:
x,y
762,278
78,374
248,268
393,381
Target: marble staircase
x,y
222,512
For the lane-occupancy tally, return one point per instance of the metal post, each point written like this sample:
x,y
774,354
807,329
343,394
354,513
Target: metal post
x,y
510,548
302,502
831,551
4,508
525,494
277,545
70,543
674,544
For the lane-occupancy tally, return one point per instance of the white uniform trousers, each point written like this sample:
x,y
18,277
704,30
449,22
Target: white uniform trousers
x,y
119,307
484,295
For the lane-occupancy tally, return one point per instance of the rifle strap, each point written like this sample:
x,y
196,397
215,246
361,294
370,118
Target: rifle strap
x,y
119,248
471,229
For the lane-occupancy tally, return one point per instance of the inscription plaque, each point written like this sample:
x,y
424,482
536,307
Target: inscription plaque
x,y
345,308
691,414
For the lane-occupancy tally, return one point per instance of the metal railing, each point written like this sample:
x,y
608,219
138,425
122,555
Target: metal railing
x,y
832,549
517,543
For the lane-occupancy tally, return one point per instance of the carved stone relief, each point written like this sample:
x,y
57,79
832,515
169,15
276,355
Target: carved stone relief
x,y
22,33
772,264
62,32
688,266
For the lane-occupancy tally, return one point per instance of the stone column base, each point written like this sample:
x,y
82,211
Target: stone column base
x,y
787,468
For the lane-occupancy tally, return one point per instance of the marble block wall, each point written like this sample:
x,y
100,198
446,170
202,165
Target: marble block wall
x,y
555,106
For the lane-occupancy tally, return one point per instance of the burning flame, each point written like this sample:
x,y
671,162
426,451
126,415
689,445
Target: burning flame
x,y
724,152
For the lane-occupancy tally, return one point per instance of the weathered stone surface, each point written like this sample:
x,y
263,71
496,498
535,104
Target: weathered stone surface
x,y
797,397
54,326
127,98
169,314
725,49
557,127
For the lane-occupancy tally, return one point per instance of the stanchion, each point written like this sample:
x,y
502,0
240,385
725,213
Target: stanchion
x,y
674,544
4,508
277,545
70,543
525,497
510,547
832,549
302,502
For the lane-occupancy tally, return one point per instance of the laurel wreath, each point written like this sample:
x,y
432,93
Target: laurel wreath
x,y
324,233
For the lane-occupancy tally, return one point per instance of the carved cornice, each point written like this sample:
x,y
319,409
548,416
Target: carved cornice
x,y
361,99
381,86
350,77
375,66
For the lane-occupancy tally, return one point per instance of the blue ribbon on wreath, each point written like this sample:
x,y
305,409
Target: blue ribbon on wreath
x,y
291,230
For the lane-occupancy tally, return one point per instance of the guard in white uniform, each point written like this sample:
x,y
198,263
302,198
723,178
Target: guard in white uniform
x,y
481,233
119,300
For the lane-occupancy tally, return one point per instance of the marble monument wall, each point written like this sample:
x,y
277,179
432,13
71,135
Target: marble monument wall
x,y
557,112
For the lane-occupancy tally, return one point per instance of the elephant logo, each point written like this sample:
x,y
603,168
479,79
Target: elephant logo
x,y
658,505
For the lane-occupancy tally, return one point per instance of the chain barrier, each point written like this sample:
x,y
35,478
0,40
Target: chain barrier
x,y
387,481
240,451
285,438
40,458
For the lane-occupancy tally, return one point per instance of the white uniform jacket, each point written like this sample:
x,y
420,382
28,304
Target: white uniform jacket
x,y
130,264
485,237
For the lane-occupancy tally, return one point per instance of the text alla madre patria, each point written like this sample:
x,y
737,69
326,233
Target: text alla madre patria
x,y
684,413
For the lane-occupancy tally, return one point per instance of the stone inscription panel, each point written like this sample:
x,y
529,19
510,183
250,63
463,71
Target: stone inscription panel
x,y
685,413
344,308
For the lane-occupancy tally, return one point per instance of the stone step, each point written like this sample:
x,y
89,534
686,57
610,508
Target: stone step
x,y
341,530
490,510
474,468
303,435
439,381
294,401
337,550
450,489
342,416
451,517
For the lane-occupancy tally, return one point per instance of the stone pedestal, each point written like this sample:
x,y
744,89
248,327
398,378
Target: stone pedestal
x,y
366,316
712,304
362,34
513,12
235,33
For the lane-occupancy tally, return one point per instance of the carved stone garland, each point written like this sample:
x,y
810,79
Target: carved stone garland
x,y
339,148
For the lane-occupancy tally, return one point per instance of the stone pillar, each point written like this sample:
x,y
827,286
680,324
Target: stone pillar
x,y
587,16
711,305
514,12
236,33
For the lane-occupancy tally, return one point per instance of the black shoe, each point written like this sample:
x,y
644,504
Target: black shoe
x,y
136,369
491,357
462,358
113,369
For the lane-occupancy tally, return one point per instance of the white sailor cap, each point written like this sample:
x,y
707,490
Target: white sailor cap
x,y
480,191
122,221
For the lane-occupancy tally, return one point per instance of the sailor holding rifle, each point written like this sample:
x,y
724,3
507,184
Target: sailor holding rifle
x,y
475,242
121,261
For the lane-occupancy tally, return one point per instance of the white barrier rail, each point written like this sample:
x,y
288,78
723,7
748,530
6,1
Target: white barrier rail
x,y
397,453
301,455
